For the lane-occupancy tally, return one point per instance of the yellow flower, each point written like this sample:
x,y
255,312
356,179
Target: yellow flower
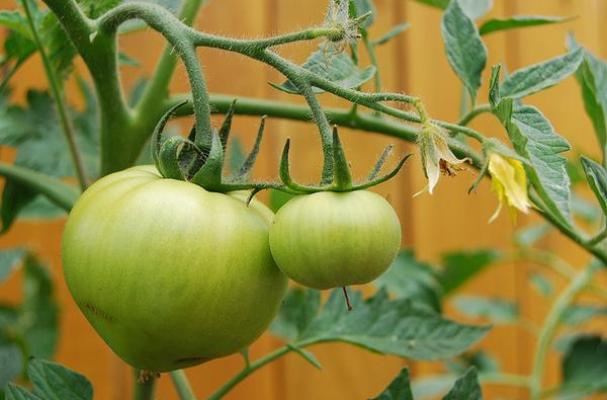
x,y
437,157
509,182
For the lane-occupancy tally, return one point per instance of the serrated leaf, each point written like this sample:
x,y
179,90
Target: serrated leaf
x,y
399,388
518,21
479,359
578,314
337,68
39,321
412,279
466,387
365,7
592,78
585,366
530,235
378,324
542,284
534,138
597,179
55,382
476,8
461,266
537,77
466,51
15,21
9,261
14,392
498,311
392,33
11,362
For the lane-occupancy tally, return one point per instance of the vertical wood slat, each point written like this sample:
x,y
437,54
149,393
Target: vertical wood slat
x,y
450,219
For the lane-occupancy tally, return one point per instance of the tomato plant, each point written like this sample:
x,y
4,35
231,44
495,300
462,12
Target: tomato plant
x,y
176,262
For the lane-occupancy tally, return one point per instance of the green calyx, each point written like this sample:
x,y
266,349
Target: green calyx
x,y
186,159
341,175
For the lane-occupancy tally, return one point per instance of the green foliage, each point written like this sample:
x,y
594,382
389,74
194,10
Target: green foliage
x,y
541,76
52,381
518,21
461,266
585,367
9,261
381,325
466,52
597,179
542,284
399,388
498,311
592,78
409,278
335,67
35,132
530,235
578,314
391,34
31,328
466,387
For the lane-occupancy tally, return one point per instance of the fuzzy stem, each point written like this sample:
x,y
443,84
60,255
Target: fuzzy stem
x,y
58,97
182,385
551,325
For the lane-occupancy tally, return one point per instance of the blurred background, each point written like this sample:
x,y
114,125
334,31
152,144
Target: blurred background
x,y
432,225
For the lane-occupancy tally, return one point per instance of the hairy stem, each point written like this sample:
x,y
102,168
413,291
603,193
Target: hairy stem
x,y
58,97
182,385
551,325
157,89
475,112
144,390
248,370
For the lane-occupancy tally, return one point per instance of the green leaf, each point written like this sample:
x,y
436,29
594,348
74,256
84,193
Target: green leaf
x,y
592,78
466,387
9,261
39,322
542,284
466,52
394,32
35,131
15,197
55,382
127,61
584,209
459,267
475,8
480,360
528,236
365,7
534,138
378,324
578,314
442,4
399,388
16,22
14,392
337,68
585,366
278,199
537,77
518,21
11,362
412,279
597,179
498,311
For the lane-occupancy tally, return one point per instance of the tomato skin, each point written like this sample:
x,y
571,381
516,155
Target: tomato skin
x,y
329,239
169,274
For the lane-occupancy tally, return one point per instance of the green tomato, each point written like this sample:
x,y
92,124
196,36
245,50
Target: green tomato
x,y
328,239
169,274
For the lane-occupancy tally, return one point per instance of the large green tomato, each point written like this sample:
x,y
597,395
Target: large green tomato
x,y
328,239
169,274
